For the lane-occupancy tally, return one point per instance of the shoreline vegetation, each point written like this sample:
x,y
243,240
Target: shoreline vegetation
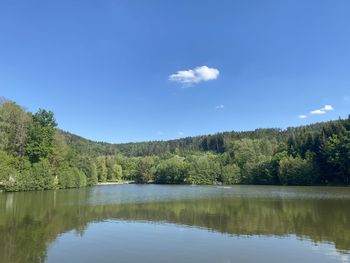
x,y
36,155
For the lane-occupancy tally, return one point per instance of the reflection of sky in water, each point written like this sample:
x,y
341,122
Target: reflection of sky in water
x,y
329,250
122,241
145,193
196,223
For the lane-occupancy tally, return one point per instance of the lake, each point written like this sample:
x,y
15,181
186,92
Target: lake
x,y
159,223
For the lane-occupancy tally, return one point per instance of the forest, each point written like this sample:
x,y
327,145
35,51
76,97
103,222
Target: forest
x,y
36,155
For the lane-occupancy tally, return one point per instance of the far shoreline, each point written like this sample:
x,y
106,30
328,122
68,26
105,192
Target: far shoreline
x,y
114,183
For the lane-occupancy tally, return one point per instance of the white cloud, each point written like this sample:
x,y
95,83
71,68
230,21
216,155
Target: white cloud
x,y
180,133
196,75
221,106
327,107
317,112
323,110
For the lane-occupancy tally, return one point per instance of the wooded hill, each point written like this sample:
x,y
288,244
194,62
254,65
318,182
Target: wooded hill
x,y
35,155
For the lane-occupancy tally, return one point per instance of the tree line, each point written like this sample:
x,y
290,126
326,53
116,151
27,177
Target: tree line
x,y
36,155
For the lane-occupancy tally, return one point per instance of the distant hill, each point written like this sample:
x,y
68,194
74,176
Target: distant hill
x,y
212,142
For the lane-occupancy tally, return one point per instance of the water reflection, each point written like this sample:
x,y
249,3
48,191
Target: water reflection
x,y
29,222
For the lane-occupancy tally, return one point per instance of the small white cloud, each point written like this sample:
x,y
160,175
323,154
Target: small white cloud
x,y
180,133
327,108
323,110
221,106
194,76
318,112
160,133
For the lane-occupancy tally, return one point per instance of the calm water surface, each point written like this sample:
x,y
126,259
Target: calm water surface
x,y
152,223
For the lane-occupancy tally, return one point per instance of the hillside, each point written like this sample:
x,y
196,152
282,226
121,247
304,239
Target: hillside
x,y
35,155
217,142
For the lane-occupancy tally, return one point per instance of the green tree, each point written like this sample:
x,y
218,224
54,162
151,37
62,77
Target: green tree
x,y
145,170
14,122
61,149
337,152
7,166
296,171
203,169
117,171
45,118
114,170
129,167
171,171
41,136
71,177
38,176
101,168
231,174
88,167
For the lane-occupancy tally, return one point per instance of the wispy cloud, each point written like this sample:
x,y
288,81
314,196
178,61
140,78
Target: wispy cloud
x,y
318,112
180,133
193,76
302,116
221,106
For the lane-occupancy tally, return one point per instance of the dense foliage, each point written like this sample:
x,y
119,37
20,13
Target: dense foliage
x,y
35,155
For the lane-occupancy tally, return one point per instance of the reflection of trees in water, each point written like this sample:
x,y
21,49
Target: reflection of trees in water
x,y
29,222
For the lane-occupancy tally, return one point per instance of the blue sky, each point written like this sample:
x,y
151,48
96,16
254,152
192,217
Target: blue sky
x,y
130,70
